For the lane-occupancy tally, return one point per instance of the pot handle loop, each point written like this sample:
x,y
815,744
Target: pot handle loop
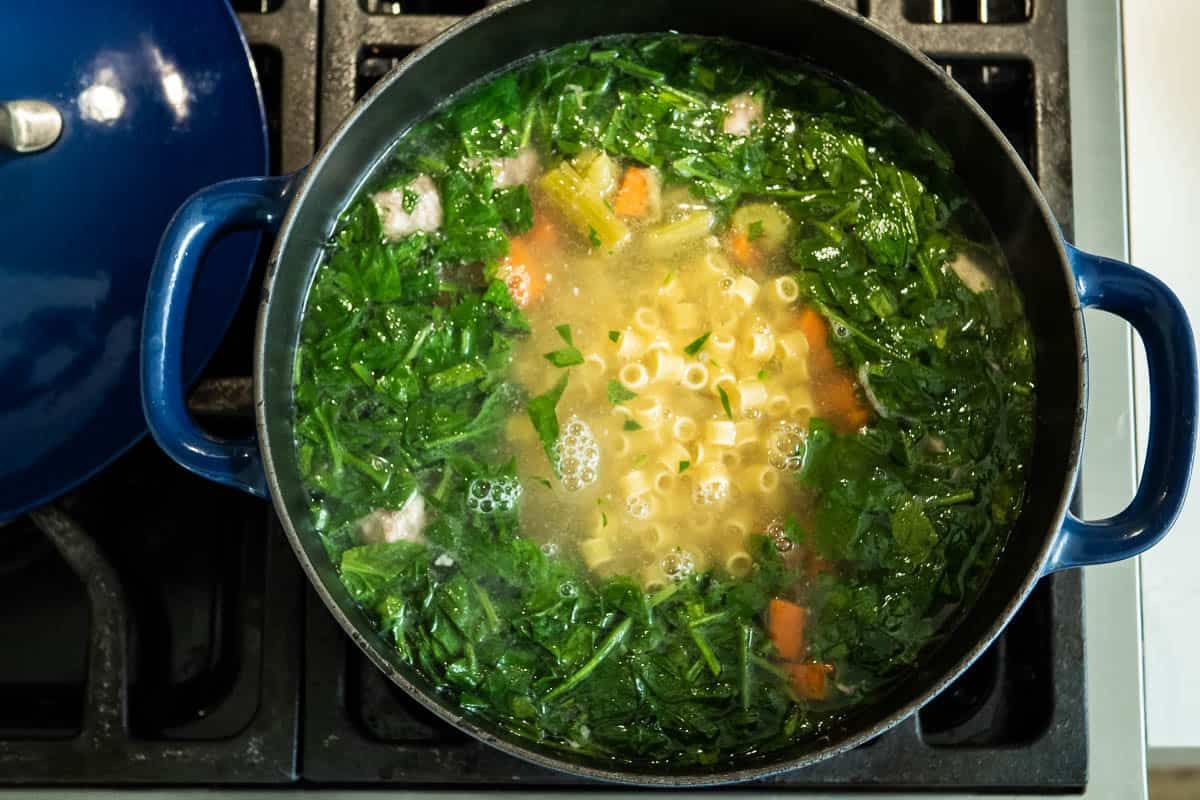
x,y
239,204
1160,319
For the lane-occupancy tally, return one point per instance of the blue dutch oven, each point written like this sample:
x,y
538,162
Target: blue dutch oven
x,y
1056,280
107,123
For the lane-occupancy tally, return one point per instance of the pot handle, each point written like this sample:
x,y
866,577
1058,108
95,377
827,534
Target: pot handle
x,y
1160,319
239,204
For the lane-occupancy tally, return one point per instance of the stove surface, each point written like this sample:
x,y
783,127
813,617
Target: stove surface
x,y
158,631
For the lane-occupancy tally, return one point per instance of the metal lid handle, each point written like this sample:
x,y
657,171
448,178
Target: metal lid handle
x,y
28,126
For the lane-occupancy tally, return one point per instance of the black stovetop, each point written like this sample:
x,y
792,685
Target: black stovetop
x,y
155,628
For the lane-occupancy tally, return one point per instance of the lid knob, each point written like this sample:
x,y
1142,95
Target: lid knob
x,y
28,126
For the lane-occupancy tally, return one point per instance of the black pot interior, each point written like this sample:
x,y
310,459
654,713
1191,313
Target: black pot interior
x,y
832,40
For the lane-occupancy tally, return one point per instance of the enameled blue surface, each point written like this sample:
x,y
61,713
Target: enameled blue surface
x,y
232,205
1160,319
158,100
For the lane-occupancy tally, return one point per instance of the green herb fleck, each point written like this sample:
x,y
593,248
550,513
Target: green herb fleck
x,y
618,394
755,230
725,401
763,374
593,237
566,357
614,335
641,459
698,344
565,332
631,425
683,465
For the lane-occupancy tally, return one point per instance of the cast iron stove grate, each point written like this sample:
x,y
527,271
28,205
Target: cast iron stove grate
x,y
151,623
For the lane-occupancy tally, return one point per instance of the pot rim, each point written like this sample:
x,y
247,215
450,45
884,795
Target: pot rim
x,y
373,646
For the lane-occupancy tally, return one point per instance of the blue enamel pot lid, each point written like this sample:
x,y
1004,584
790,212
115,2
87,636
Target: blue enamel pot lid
x,y
156,100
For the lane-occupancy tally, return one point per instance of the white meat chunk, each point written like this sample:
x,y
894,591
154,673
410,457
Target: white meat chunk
x,y
426,213
515,170
744,112
974,275
388,525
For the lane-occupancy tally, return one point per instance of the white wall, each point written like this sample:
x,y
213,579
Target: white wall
x,y
1162,97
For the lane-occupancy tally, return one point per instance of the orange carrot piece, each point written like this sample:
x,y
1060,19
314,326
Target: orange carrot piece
x,y
520,273
840,398
744,251
814,328
543,234
811,679
836,392
857,417
785,625
812,325
633,196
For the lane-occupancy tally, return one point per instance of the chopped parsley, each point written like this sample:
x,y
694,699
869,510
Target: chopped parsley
x,y
724,401
697,345
618,394
565,357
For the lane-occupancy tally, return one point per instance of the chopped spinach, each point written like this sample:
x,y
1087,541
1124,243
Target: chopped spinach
x,y
402,383
541,410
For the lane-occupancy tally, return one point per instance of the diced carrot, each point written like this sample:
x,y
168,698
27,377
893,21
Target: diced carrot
x,y
815,330
840,398
836,391
633,196
811,679
519,271
544,233
785,625
857,417
744,251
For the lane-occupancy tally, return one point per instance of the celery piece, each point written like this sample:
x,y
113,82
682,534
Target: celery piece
x,y
584,209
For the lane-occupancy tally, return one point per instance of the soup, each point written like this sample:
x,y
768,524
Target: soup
x,y
660,400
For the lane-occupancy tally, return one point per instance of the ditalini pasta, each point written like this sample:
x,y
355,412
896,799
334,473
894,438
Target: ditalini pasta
x,y
722,346
633,376
792,348
785,290
720,433
663,366
695,376
630,345
690,361
646,320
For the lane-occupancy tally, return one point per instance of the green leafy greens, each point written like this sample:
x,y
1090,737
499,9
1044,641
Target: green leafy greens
x,y
401,384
